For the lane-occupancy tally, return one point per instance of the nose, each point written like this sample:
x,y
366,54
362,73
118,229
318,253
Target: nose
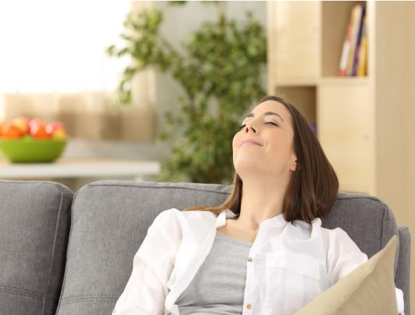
x,y
250,125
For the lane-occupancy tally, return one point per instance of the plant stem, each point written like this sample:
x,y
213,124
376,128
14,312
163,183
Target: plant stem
x,y
221,13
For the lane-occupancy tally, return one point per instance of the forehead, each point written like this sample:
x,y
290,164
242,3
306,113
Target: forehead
x,y
272,106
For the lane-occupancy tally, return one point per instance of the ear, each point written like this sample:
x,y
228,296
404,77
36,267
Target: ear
x,y
295,166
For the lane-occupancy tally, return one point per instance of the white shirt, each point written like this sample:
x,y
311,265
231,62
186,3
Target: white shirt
x,y
288,264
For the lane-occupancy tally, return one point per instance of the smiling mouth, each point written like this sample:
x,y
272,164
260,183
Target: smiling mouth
x,y
250,142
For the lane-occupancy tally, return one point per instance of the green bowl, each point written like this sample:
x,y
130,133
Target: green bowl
x,y
31,150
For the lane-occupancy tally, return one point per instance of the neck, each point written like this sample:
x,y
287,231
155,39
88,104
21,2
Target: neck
x,y
259,203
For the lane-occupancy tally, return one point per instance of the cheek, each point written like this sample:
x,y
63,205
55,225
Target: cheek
x,y
277,147
234,141
235,148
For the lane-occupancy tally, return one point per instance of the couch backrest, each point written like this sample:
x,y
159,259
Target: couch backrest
x,y
110,220
34,229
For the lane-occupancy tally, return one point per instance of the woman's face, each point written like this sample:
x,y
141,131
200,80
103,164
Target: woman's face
x,y
270,125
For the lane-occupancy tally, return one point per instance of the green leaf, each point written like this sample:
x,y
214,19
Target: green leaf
x,y
110,50
123,52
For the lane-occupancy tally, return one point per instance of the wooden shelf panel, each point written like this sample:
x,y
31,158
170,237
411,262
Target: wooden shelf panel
x,y
324,81
344,81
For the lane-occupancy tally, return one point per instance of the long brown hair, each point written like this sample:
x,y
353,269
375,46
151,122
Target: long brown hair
x,y
313,187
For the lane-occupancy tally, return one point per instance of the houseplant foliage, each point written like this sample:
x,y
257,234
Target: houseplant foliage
x,y
219,68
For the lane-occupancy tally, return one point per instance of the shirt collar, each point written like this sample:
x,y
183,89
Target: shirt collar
x,y
221,219
276,221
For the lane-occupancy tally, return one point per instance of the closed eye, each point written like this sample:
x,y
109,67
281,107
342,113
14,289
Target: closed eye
x,y
265,123
272,123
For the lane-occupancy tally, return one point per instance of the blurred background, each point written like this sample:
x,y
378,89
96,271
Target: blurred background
x,y
156,90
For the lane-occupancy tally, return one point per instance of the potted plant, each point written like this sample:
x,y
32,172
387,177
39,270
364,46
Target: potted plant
x,y
221,66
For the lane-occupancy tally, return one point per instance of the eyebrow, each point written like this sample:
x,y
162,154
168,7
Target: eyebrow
x,y
265,114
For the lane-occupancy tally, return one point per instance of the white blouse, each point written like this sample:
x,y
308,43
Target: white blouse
x,y
289,264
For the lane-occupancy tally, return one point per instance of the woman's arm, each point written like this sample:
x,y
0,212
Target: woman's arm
x,y
146,289
143,294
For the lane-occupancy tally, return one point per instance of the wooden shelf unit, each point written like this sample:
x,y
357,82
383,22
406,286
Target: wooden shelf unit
x,y
305,41
364,124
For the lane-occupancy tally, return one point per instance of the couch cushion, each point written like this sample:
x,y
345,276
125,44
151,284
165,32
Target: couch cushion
x,y
34,229
367,220
369,289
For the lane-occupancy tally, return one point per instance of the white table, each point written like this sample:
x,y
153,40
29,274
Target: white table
x,y
79,168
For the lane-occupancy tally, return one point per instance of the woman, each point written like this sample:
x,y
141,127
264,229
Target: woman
x,y
263,251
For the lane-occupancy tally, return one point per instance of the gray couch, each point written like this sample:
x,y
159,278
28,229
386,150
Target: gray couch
x,y
71,254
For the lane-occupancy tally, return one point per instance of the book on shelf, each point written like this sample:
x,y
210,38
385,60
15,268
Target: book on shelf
x,y
362,11
362,62
345,52
354,45
355,25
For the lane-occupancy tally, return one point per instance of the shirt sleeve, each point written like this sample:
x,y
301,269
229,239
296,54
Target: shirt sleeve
x,y
146,289
344,256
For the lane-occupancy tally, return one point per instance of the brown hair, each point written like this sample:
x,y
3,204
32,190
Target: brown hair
x,y
313,187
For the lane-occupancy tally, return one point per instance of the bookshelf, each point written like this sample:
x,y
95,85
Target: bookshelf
x,y
364,124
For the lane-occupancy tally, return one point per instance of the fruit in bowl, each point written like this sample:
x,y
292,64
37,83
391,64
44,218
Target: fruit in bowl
x,y
25,140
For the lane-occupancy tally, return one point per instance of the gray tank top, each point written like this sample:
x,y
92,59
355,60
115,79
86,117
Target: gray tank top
x,y
219,285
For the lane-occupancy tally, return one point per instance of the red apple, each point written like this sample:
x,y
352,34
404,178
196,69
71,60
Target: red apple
x,y
38,129
35,121
22,122
10,131
56,130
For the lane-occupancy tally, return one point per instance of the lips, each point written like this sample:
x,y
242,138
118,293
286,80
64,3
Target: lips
x,y
252,141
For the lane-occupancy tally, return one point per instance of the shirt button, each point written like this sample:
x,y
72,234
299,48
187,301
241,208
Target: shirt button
x,y
249,259
248,306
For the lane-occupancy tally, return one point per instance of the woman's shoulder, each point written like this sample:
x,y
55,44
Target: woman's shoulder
x,y
336,235
192,225
338,241
316,222
307,229
336,238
